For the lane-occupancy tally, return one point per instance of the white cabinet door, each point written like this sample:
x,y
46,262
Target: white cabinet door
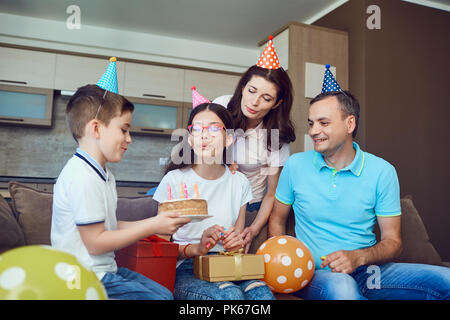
x,y
27,68
73,72
154,82
210,85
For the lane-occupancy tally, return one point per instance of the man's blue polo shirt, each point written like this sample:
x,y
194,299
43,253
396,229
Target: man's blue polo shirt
x,y
337,210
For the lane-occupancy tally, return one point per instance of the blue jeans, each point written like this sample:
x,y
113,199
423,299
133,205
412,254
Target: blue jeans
x,y
187,287
130,285
391,281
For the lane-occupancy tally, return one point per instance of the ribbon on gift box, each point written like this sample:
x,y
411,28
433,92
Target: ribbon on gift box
x,y
156,244
237,262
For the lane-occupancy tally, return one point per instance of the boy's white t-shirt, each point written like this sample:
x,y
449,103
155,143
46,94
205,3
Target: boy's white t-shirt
x,y
251,154
83,194
225,196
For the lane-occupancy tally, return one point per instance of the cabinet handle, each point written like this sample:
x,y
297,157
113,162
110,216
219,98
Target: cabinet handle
x,y
153,95
12,81
11,119
152,130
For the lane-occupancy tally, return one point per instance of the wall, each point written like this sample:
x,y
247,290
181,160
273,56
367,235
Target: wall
x,y
54,35
350,17
42,152
400,75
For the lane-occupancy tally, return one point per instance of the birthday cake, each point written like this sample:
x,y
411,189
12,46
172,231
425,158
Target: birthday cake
x,y
185,206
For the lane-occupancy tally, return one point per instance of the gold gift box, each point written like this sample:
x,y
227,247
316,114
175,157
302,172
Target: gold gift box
x,y
229,267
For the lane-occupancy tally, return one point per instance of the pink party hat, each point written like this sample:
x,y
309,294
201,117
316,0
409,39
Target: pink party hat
x,y
197,98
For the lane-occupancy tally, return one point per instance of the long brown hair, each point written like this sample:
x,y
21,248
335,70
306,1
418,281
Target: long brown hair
x,y
278,118
188,160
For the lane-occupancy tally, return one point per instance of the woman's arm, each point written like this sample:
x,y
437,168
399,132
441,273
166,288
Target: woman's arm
x,y
232,238
268,201
240,221
264,211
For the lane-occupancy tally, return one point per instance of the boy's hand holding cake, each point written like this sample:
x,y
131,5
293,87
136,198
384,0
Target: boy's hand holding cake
x,y
169,222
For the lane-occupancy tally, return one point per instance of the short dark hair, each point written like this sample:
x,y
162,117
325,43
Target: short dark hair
x,y
83,105
349,104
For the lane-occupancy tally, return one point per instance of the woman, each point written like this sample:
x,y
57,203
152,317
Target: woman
x,y
260,108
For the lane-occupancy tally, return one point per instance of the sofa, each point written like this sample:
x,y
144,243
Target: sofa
x,y
26,220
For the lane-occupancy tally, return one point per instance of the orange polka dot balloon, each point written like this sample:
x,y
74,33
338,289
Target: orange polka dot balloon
x,y
289,265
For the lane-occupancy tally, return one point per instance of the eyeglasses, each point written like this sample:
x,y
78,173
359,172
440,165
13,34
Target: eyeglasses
x,y
213,129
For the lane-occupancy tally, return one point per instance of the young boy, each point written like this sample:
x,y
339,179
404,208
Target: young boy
x,y
85,199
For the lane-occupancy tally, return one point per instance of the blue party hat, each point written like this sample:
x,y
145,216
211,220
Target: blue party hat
x,y
329,82
108,81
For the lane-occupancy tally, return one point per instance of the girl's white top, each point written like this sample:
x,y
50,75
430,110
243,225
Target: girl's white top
x,y
225,196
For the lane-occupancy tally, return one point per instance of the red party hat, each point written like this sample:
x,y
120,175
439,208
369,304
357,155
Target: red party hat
x,y
197,98
269,59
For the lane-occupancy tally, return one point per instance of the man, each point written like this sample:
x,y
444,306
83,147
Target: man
x,y
338,193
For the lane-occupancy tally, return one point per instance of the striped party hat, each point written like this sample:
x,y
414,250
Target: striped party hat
x,y
197,98
329,82
269,59
108,81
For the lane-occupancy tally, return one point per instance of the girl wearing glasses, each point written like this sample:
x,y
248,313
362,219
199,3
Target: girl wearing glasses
x,y
201,168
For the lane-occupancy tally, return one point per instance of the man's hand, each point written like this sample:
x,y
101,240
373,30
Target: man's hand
x,y
343,261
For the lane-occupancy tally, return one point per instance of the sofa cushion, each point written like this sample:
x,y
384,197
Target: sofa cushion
x,y
11,235
136,208
417,247
33,209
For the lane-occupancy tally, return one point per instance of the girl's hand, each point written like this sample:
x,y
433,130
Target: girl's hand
x,y
232,240
233,167
209,239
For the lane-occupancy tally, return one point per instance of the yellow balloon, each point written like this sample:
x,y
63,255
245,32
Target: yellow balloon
x,y
43,273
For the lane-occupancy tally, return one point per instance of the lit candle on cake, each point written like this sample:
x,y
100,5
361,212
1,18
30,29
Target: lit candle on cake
x,y
185,191
169,193
196,190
